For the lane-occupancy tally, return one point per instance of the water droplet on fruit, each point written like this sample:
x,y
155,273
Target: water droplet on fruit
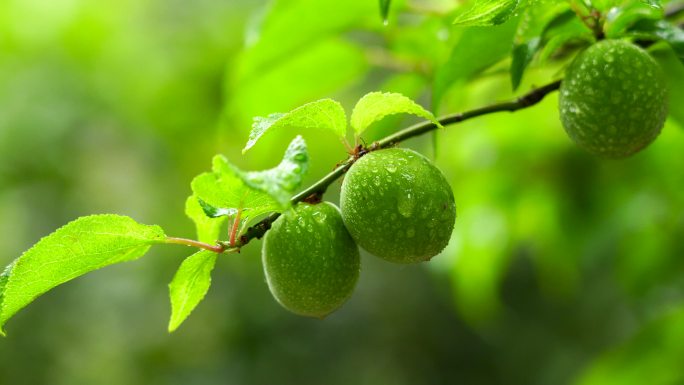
x,y
391,168
319,217
406,205
410,232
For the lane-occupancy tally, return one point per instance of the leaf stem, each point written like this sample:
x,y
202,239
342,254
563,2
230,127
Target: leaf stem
x,y
219,248
235,227
318,189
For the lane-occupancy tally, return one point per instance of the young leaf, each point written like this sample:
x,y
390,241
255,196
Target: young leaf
x,y
228,188
208,227
281,181
83,245
486,13
190,285
324,114
376,105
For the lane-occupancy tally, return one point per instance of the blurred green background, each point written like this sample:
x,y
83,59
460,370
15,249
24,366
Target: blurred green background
x,y
563,268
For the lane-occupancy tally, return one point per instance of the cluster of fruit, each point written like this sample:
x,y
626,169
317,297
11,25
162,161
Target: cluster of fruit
x,y
395,204
398,206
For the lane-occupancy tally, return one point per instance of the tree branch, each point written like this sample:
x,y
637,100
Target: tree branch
x,y
318,189
315,192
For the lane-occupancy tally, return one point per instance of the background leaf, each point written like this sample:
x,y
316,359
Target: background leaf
x,y
468,57
620,18
189,286
673,35
674,73
486,13
376,105
384,9
651,356
537,19
325,115
522,55
83,245
289,52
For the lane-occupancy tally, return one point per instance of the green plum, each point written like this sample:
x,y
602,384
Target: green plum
x,y
310,261
398,206
613,100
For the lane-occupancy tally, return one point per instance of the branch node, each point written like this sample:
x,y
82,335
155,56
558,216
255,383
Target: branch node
x,y
315,198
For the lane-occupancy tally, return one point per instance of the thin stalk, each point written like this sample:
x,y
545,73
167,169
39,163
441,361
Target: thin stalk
x,y
192,243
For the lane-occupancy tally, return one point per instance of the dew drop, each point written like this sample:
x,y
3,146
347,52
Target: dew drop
x,y
406,205
319,217
391,168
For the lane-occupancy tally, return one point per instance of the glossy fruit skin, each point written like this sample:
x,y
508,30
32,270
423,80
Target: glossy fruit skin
x,y
613,100
310,261
398,206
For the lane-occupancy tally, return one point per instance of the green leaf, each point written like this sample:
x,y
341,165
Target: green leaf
x,y
208,227
468,57
83,245
619,19
536,21
190,285
325,115
225,188
522,57
280,182
259,192
215,212
486,13
564,29
666,31
384,9
376,105
674,73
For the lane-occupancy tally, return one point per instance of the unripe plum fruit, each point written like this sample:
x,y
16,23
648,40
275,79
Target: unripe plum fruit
x,y
310,261
613,100
398,206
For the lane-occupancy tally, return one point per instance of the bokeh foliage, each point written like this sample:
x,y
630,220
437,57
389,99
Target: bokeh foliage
x,y
563,268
